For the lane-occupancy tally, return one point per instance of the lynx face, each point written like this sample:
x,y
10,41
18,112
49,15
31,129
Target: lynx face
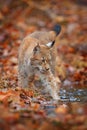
x,y
41,59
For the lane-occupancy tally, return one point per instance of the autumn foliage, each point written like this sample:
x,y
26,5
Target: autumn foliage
x,y
26,109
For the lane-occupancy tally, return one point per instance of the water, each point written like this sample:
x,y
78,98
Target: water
x,y
73,95
68,95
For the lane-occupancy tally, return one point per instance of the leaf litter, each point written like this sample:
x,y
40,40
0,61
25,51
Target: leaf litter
x,y
27,109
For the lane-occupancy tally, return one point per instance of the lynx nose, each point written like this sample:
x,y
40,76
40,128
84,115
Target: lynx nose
x,y
47,69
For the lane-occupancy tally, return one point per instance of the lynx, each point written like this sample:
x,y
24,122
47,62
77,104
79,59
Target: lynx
x,y
37,61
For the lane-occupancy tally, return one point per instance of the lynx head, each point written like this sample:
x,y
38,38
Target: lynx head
x,y
41,57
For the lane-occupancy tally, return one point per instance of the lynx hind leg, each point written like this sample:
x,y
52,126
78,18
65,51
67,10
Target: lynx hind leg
x,y
22,80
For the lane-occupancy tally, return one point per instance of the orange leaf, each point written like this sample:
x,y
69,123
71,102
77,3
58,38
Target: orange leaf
x,y
5,95
61,109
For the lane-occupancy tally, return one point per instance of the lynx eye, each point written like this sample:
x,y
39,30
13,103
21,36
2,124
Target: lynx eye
x,y
43,59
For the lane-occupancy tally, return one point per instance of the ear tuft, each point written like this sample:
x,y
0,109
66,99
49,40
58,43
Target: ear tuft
x,y
50,44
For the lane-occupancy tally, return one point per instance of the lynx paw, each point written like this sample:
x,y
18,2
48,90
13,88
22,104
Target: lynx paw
x,y
55,96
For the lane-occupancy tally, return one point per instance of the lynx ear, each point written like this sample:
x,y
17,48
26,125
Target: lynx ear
x,y
36,49
50,44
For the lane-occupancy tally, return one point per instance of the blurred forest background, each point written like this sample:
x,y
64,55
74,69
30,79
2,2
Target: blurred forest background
x,y
19,18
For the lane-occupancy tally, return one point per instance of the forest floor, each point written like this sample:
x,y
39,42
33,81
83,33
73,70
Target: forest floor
x,y
18,111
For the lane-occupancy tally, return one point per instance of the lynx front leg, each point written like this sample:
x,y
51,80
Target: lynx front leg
x,y
51,85
54,91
